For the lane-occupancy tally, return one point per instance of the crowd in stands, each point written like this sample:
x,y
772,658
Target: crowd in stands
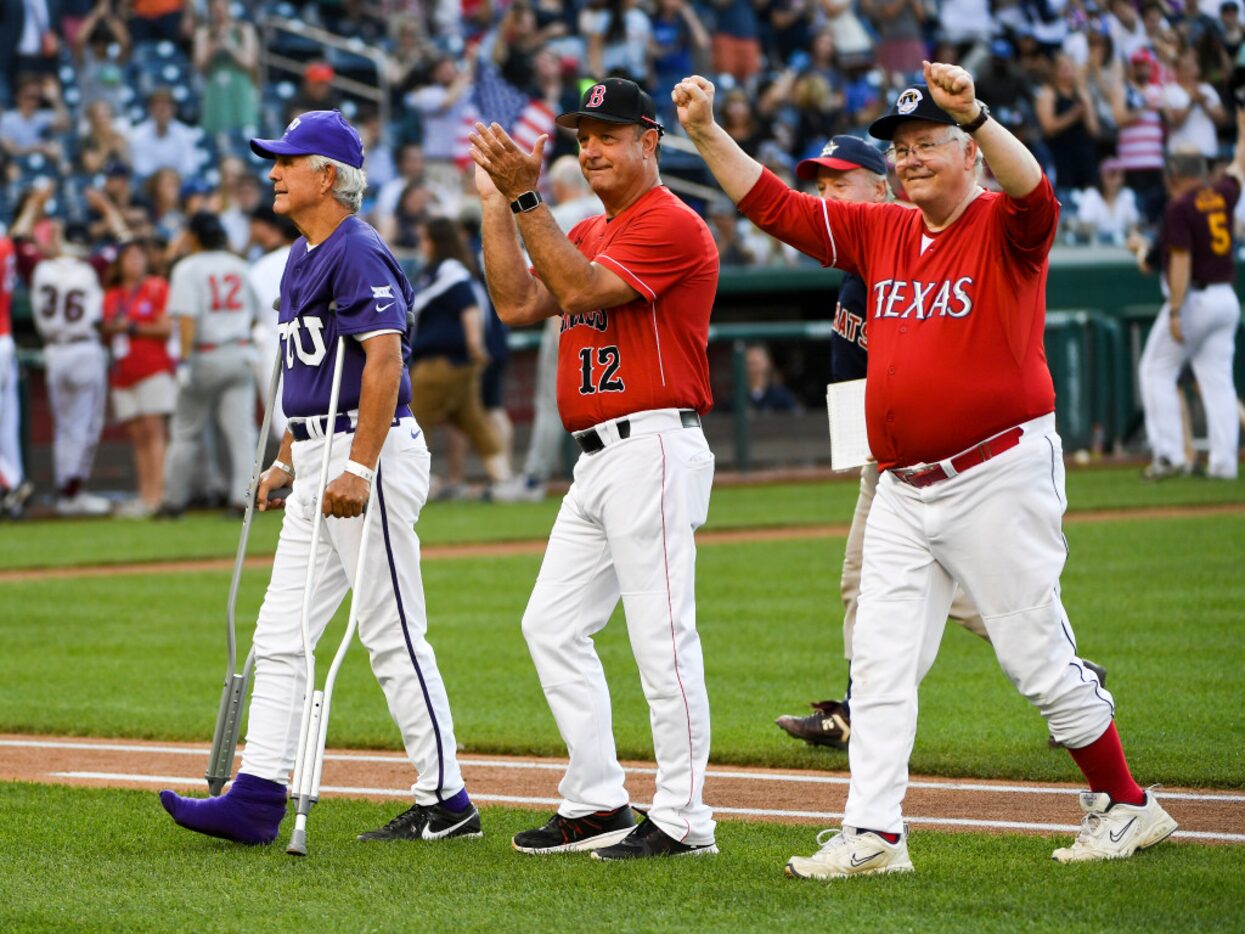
x,y
132,116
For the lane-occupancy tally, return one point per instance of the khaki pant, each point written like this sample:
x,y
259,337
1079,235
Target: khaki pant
x,y
442,391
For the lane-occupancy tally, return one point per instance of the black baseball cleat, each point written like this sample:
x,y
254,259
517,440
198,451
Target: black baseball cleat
x,y
429,822
576,834
649,840
830,725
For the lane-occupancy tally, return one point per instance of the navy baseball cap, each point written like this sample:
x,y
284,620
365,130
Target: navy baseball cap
x,y
614,100
843,152
913,103
315,133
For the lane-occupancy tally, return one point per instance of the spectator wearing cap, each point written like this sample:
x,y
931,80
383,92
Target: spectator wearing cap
x,y
1108,213
226,54
163,140
316,92
1140,133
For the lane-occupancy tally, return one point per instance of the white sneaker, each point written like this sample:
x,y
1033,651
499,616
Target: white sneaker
x,y
84,504
849,852
1116,831
135,509
522,489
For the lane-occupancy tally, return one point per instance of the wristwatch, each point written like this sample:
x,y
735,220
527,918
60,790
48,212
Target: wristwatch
x,y
983,114
528,201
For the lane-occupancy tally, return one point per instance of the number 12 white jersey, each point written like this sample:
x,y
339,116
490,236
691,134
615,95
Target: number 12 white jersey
x,y
67,299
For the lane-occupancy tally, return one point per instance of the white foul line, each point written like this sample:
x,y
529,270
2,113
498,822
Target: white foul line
x,y
742,812
557,766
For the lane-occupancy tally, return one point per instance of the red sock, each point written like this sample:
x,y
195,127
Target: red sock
x,y
1106,769
888,837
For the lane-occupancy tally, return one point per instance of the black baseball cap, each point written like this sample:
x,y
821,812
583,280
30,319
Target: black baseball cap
x,y
614,100
843,152
913,103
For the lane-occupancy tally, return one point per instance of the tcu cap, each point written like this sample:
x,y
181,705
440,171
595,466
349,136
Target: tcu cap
x,y
913,103
614,100
315,133
843,152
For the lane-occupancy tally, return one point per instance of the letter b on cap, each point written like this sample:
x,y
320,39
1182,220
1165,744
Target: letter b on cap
x,y
598,96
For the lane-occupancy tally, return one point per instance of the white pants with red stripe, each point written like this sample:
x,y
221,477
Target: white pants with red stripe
x,y
994,530
626,529
1208,322
392,618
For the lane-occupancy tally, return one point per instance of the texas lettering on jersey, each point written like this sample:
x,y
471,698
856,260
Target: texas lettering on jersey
x,y
904,298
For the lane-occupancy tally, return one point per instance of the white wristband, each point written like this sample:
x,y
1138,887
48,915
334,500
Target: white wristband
x,y
283,466
359,470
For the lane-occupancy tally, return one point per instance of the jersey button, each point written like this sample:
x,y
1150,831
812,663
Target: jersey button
x,y
903,329
890,370
890,416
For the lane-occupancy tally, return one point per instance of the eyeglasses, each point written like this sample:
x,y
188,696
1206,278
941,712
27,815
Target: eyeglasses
x,y
922,151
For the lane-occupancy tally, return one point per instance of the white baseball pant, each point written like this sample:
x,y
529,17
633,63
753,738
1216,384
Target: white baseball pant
x,y
994,530
392,615
962,609
626,528
77,380
1208,320
12,472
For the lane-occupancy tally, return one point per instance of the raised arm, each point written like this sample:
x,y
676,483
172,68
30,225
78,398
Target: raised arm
x,y
734,169
1017,172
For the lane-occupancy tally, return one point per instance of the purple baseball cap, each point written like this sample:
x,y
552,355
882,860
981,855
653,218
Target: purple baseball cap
x,y
843,152
315,133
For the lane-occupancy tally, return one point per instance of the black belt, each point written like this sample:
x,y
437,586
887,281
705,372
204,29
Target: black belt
x,y
590,441
343,423
80,339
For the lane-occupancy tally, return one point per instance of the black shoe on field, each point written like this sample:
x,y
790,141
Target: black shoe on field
x,y
429,822
650,840
576,834
830,725
1101,674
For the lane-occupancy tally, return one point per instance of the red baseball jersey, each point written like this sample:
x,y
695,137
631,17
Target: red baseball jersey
x,y
650,353
145,356
8,282
956,317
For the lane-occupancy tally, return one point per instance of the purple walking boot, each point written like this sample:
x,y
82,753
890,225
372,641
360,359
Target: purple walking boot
x,y
251,812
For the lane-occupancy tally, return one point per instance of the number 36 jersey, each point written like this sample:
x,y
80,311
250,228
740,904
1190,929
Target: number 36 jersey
x,y
214,288
67,300
650,353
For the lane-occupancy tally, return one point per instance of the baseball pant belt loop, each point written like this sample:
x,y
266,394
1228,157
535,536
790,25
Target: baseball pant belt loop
x,y
953,466
312,426
594,439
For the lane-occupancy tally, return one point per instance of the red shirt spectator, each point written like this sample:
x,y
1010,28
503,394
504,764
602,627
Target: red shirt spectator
x,y
143,303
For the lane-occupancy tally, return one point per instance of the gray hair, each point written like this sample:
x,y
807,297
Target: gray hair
x,y
350,185
962,138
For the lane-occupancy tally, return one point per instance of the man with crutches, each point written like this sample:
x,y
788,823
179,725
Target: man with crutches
x,y
342,322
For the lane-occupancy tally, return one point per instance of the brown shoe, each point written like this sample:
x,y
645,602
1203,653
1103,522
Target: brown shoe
x,y
830,725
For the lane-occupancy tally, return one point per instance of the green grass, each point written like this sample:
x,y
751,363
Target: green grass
x,y
64,543
92,860
1157,601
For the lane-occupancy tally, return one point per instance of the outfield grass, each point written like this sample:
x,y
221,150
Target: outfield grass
x,y
91,860
1157,601
64,543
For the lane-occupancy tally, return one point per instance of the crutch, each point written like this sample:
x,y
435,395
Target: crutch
x,y
229,715
314,727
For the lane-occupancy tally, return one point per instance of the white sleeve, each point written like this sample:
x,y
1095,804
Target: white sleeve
x,y
182,298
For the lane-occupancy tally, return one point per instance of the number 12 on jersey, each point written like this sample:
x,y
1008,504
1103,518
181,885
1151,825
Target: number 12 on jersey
x,y
598,367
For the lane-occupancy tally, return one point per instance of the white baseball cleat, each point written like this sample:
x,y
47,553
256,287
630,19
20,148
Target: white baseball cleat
x,y
1116,831
850,852
84,504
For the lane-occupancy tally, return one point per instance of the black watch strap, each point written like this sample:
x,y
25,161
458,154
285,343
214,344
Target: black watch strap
x,y
983,114
528,201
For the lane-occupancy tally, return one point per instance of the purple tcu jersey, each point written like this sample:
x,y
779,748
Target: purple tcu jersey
x,y
349,284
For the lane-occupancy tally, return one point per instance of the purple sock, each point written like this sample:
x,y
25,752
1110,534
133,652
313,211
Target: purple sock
x,y
250,813
459,802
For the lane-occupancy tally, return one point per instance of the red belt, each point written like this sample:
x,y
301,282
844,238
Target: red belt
x,y
977,454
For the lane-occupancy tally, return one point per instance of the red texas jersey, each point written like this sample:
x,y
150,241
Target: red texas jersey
x,y
956,318
650,353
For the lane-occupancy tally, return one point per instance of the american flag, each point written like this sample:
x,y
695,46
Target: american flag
x,y
496,100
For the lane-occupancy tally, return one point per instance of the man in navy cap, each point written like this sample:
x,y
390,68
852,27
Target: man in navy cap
x,y
341,281
959,408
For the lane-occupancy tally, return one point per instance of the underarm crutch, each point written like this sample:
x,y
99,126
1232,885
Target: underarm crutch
x,y
314,728
229,715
